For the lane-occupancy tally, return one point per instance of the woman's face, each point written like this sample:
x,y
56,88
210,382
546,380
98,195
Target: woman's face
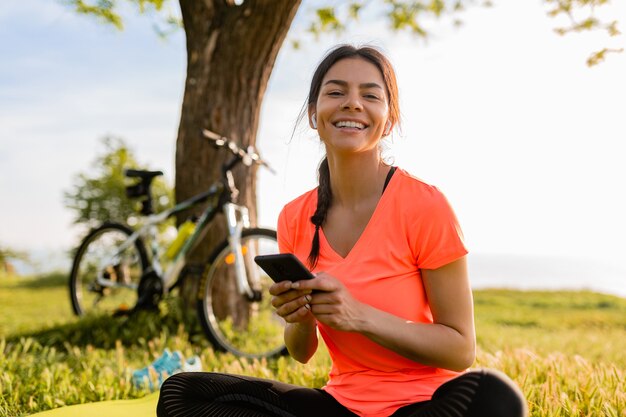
x,y
352,108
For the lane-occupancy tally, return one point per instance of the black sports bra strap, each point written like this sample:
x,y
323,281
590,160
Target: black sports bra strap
x,y
389,175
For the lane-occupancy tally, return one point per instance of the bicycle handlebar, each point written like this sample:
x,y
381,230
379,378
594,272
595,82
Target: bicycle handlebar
x,y
247,157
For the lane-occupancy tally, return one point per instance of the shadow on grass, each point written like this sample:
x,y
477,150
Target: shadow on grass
x,y
51,280
104,331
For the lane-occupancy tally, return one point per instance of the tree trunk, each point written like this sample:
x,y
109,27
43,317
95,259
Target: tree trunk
x,y
231,52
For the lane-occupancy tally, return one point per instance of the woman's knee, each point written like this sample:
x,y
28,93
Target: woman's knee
x,y
177,383
177,390
499,395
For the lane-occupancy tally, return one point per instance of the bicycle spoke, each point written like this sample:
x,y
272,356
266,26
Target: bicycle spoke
x,y
103,276
234,322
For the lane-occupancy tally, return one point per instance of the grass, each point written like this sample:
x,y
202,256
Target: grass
x,y
564,349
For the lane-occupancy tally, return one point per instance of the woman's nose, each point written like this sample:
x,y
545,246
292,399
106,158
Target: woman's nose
x,y
352,102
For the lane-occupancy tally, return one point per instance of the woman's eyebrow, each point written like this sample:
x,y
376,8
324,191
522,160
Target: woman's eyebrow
x,y
345,84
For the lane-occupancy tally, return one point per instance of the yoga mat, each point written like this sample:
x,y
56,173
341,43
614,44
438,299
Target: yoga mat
x,y
140,407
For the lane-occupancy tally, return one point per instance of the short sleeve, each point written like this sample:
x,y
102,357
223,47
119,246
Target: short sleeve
x,y
439,238
285,243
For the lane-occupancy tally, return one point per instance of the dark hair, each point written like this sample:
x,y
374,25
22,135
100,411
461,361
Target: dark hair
x,y
370,54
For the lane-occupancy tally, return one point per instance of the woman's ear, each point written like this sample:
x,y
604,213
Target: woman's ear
x,y
388,127
313,120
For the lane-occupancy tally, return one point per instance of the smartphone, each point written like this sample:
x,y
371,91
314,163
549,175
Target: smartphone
x,y
283,267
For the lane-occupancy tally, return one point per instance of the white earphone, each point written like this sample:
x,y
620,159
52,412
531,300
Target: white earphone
x,y
314,120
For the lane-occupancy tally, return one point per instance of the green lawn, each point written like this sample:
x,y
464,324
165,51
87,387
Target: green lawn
x,y
565,349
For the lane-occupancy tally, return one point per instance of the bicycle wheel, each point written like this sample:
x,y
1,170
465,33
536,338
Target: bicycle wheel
x,y
104,279
231,321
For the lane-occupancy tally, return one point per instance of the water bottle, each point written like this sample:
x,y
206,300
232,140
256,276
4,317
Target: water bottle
x,y
184,231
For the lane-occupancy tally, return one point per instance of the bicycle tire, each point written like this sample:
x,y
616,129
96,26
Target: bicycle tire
x,y
86,295
231,321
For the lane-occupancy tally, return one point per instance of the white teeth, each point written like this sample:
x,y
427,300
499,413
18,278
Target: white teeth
x,y
350,124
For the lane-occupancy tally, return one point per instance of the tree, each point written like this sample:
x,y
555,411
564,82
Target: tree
x,y
231,49
8,254
100,194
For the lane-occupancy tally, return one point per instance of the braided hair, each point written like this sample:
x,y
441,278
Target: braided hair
x,y
324,192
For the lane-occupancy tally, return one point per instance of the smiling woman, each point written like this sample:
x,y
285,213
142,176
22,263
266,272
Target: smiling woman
x,y
390,296
349,92
351,115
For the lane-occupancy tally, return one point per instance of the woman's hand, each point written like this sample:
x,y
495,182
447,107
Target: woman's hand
x,y
331,303
291,304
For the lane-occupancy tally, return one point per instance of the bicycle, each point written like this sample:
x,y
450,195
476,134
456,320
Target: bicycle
x,y
114,273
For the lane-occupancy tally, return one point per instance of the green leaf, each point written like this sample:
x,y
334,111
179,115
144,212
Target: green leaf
x,y
354,10
404,16
437,7
103,10
328,19
587,24
612,29
596,57
599,56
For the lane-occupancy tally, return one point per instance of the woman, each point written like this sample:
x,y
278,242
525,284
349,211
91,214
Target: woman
x,y
391,296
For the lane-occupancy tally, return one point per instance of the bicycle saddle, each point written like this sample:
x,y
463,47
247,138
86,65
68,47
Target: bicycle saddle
x,y
144,175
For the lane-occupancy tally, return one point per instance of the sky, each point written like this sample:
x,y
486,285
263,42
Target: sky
x,y
501,114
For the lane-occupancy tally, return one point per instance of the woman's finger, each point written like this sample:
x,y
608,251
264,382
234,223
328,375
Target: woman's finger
x,y
286,297
280,287
290,307
319,310
322,282
298,315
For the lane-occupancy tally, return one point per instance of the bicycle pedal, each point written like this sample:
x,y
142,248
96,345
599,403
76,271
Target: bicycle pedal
x,y
149,293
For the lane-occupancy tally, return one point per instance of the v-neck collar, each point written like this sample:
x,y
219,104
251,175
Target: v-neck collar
x,y
382,202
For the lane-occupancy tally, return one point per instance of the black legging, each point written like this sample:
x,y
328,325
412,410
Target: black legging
x,y
480,393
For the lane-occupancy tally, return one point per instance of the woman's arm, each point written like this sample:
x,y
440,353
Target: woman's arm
x,y
301,340
449,342
301,329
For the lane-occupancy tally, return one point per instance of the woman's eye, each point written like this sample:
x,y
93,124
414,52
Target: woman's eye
x,y
334,93
371,96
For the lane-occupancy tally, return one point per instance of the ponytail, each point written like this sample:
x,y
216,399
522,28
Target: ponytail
x,y
324,200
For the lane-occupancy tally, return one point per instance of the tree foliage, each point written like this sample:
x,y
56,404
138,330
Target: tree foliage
x,y
581,17
402,15
100,194
7,257
108,11
7,254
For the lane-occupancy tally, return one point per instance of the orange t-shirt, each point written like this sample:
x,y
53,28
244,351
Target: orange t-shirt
x,y
413,227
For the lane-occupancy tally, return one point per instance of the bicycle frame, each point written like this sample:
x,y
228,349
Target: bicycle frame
x,y
121,269
223,195
237,218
